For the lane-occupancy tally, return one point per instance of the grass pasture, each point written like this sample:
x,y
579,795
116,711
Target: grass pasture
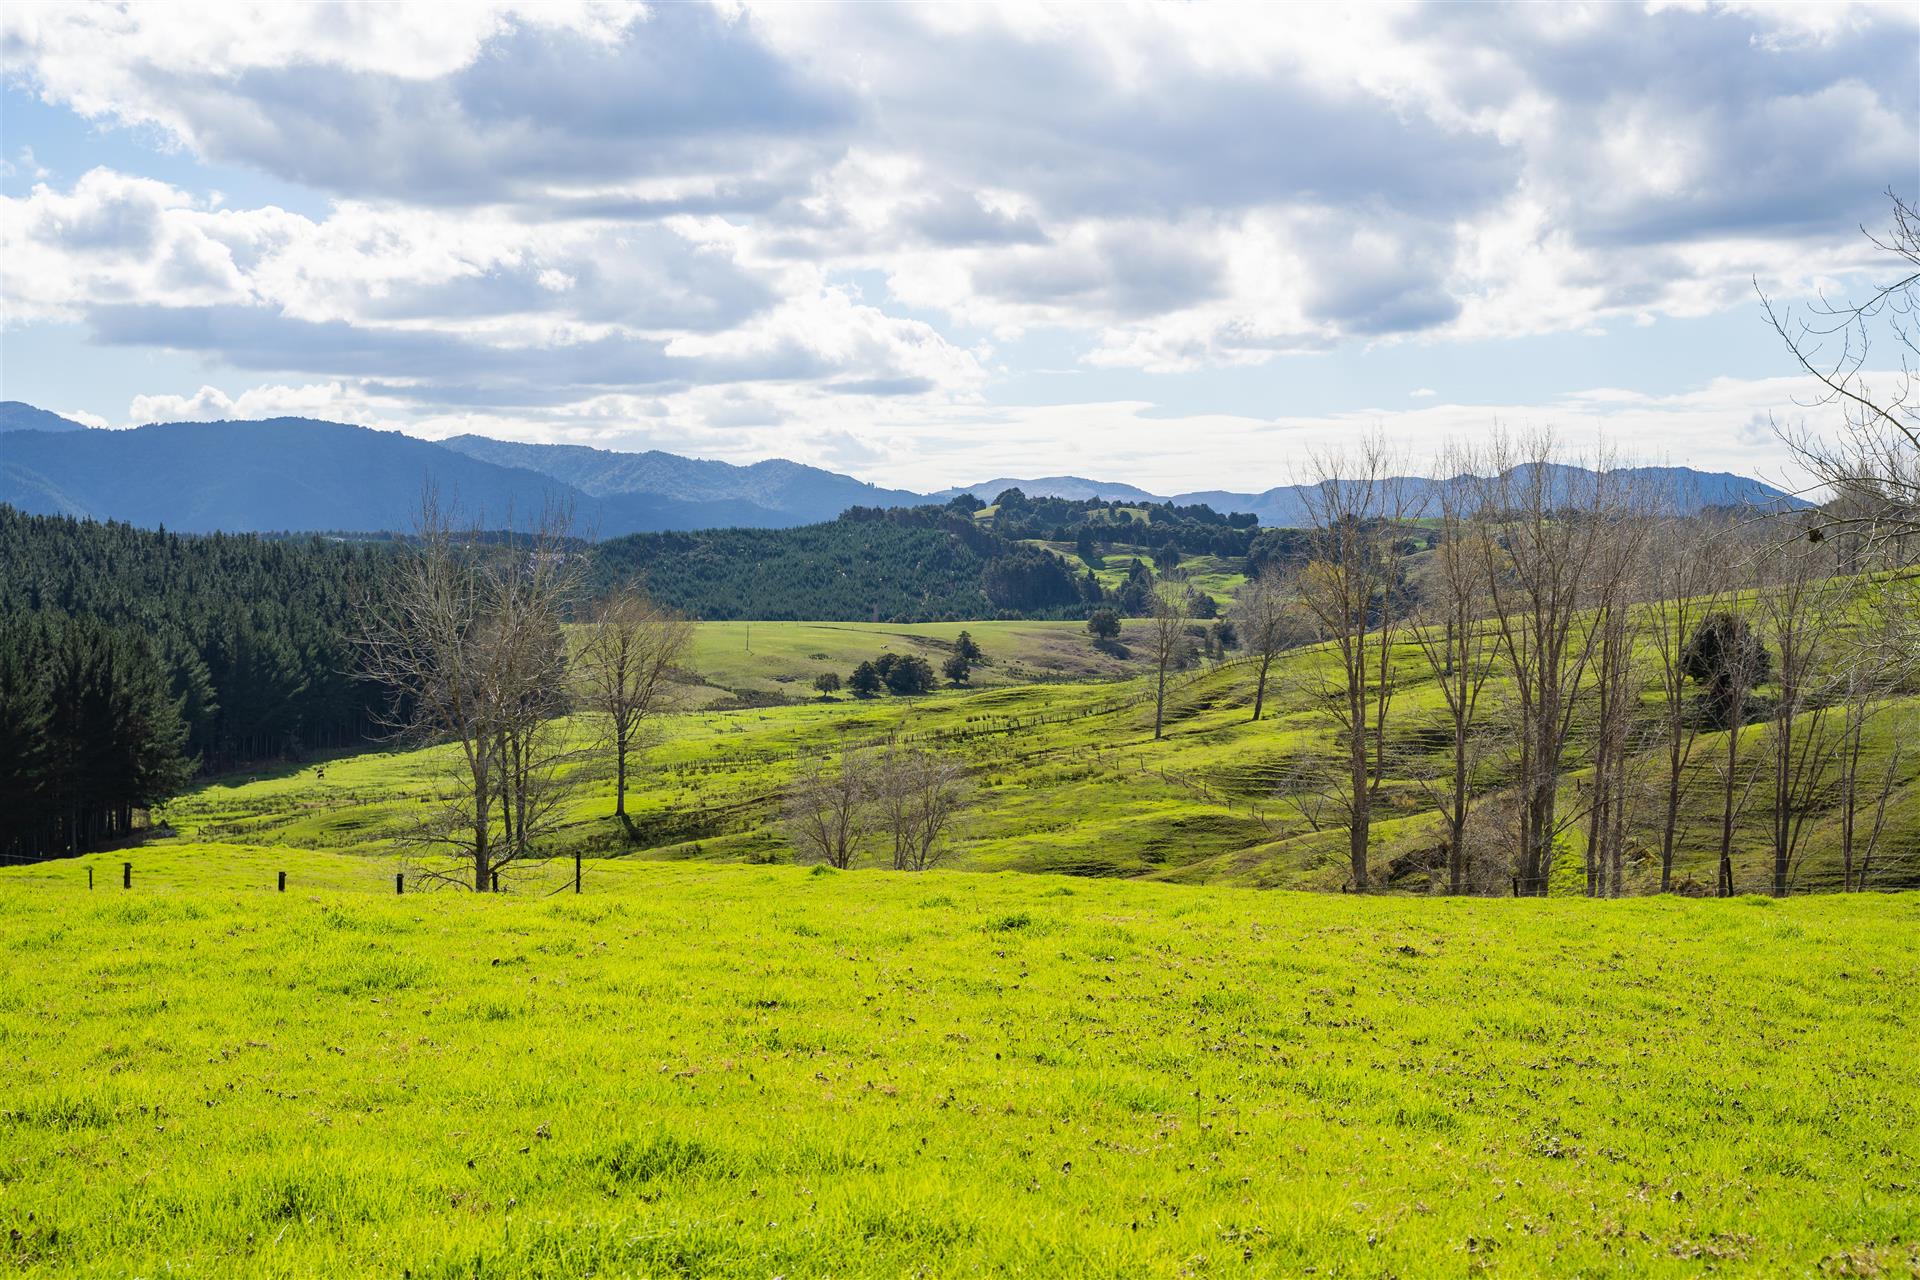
x,y
699,1070
782,658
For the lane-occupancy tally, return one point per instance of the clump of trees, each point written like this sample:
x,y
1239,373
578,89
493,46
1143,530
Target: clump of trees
x,y
966,655
904,675
890,800
1104,626
922,564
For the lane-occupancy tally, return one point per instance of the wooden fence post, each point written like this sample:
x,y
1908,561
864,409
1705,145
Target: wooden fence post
x,y
126,875
283,882
576,871
496,882
89,877
399,881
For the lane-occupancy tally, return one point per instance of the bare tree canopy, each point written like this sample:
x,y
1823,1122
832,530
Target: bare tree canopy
x,y
470,639
1870,463
1352,588
912,799
1168,645
828,818
630,648
1457,646
920,796
1267,618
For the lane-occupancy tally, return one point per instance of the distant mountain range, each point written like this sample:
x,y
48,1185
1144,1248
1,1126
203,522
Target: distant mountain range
x,y
1287,505
768,494
301,474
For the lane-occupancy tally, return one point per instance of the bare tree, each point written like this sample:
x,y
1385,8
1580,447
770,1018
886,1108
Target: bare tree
x,y
1267,620
1861,703
1729,660
531,745
920,796
1625,525
1798,607
1549,524
1877,668
469,639
1615,694
1458,647
1168,644
1870,465
1688,559
1356,505
631,648
828,810
1306,785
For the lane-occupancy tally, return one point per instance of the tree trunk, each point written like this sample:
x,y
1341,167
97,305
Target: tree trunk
x,y
1726,814
1672,820
1457,824
1617,841
1362,812
620,775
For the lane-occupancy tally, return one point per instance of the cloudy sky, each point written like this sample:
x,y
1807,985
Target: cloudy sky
x,y
1167,244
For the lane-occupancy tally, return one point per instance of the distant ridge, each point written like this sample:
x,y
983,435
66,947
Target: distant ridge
x,y
16,415
294,474
783,492
1286,505
1072,488
301,474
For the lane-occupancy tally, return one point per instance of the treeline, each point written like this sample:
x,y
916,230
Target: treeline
x,y
149,656
90,730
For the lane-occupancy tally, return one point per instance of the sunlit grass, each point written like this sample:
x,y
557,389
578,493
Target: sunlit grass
x,y
708,1070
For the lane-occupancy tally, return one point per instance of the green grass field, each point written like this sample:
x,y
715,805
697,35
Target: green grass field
x,y
705,1070
782,658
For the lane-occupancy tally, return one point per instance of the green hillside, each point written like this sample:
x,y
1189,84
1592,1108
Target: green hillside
x,y
927,564
1066,777
700,1070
